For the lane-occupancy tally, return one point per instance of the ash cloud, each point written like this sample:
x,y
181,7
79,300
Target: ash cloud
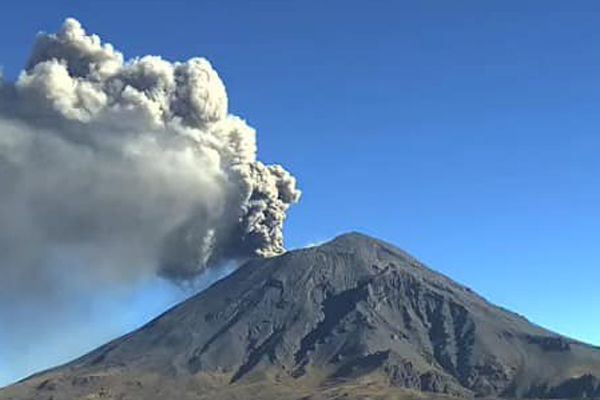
x,y
114,170
137,163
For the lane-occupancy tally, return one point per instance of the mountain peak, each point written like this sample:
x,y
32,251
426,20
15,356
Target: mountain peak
x,y
354,239
363,245
353,236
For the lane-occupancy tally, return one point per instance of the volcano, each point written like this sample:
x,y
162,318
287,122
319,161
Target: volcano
x,y
355,318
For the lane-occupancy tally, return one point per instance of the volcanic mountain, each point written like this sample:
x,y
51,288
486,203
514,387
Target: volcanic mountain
x,y
355,318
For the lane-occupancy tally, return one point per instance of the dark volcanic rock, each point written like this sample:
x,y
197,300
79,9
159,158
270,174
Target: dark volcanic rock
x,y
353,311
586,386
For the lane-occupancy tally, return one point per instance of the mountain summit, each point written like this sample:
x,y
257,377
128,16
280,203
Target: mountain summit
x,y
355,318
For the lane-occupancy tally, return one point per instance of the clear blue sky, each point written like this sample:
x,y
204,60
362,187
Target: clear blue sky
x,y
466,132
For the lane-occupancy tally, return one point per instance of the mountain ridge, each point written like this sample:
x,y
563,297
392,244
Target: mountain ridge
x,y
353,311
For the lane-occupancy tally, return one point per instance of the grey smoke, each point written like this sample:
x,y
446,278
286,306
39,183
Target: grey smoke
x,y
112,171
135,164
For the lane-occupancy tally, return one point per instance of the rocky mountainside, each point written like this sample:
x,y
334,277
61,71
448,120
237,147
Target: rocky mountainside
x,y
355,318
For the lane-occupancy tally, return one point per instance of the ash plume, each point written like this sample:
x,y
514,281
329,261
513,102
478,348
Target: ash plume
x,y
139,157
113,170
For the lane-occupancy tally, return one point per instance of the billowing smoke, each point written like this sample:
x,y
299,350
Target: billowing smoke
x,y
112,171
138,163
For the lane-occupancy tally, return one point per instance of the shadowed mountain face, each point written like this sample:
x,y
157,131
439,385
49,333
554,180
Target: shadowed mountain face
x,y
355,318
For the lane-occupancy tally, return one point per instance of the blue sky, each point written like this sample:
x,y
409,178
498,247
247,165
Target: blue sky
x,y
465,132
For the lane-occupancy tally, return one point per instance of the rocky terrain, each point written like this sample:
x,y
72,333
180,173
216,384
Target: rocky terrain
x,y
355,318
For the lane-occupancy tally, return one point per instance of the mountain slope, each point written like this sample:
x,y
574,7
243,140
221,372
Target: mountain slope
x,y
355,316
